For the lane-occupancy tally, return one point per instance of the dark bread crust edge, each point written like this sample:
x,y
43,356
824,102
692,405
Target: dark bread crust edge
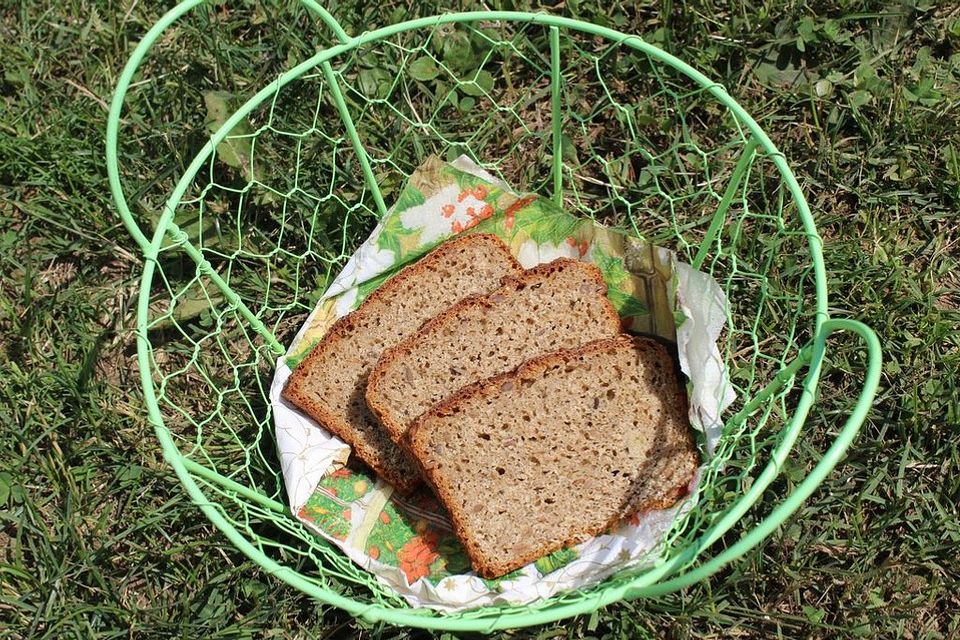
x,y
294,389
403,348
417,445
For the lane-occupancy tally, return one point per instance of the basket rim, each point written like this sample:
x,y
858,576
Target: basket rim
x,y
652,581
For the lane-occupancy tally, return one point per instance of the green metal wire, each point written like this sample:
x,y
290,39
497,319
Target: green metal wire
x,y
556,79
237,257
746,157
354,137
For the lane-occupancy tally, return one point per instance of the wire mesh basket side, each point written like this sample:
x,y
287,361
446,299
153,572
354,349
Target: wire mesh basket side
x,y
290,193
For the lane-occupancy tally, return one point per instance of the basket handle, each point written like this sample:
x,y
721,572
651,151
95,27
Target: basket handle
x,y
123,85
809,484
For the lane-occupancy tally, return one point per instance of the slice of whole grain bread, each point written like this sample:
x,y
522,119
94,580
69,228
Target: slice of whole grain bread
x,y
558,450
329,384
554,306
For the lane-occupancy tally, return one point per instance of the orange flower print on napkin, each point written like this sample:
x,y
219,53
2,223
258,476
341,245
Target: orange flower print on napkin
x,y
479,192
510,214
417,555
582,246
469,209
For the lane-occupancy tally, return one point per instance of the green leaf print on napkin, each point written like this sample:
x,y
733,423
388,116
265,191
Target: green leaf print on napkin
x,y
556,560
544,222
617,278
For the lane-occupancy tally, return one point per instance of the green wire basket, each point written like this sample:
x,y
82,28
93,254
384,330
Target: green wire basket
x,y
293,181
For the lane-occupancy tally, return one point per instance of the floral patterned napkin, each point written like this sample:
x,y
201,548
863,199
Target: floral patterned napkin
x,y
407,542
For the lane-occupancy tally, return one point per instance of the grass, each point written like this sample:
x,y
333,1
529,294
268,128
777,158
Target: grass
x,y
98,540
